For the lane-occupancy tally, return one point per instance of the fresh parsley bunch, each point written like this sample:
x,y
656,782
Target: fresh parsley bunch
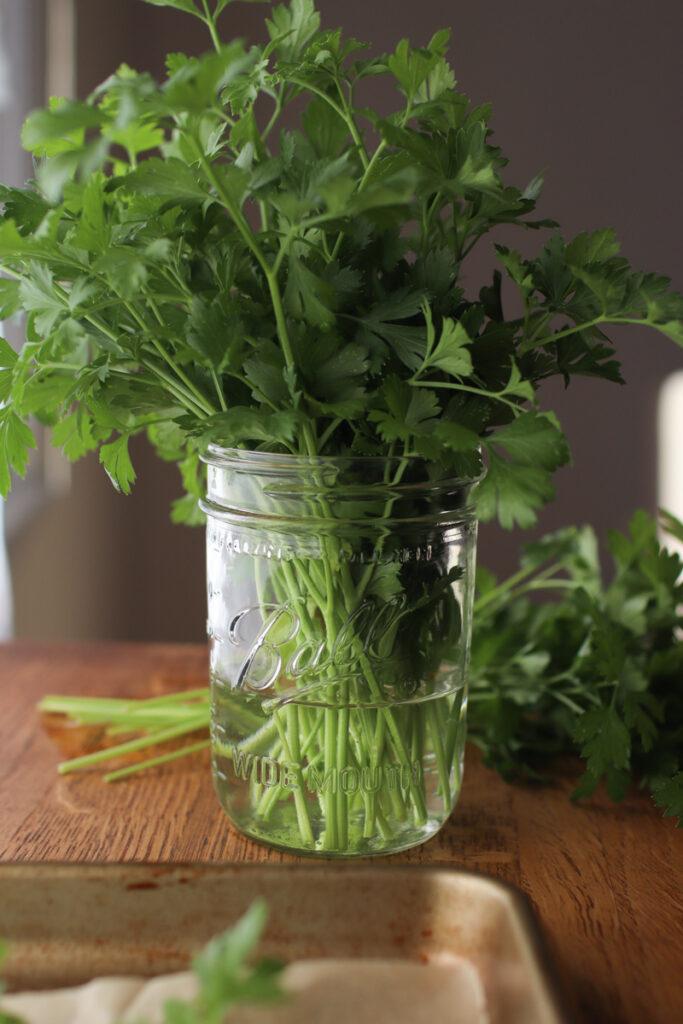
x,y
597,671
191,269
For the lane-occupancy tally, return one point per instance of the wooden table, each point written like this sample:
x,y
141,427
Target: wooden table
x,y
604,880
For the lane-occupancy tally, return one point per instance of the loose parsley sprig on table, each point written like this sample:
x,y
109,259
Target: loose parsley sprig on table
x,y
598,670
193,270
594,670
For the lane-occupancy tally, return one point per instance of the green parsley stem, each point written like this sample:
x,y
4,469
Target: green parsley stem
x,y
363,181
132,746
59,704
211,25
289,738
328,432
201,399
510,583
270,275
567,331
309,87
567,701
275,115
371,164
235,214
218,389
153,762
435,732
541,584
353,127
495,395
176,389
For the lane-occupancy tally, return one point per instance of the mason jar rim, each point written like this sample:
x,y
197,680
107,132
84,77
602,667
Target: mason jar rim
x,y
221,457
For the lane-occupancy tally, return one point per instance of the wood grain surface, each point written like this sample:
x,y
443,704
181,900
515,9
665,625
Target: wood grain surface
x,y
605,881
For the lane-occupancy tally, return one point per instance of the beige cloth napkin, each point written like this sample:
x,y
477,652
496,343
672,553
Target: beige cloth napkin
x,y
318,991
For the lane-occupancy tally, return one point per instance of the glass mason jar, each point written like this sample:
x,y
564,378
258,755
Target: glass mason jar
x,y
339,617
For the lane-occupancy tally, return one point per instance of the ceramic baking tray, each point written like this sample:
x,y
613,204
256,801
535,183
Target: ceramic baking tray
x,y
66,924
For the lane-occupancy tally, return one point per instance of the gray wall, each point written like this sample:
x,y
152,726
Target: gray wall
x,y
590,92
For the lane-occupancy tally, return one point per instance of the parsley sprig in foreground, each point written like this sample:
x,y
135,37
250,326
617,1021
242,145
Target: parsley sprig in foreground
x,y
192,269
593,670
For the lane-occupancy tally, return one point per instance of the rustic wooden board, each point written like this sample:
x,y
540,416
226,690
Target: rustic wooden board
x,y
604,880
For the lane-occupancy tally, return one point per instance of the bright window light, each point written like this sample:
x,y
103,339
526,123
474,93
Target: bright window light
x,y
669,447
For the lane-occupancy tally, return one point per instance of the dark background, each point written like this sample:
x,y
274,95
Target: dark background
x,y
591,93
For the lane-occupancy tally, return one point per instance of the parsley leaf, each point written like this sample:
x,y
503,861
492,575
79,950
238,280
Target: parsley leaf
x,y
605,741
668,794
407,412
450,353
116,461
16,439
516,486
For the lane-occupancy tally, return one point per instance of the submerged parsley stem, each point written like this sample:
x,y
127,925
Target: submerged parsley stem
x,y
289,738
350,740
434,729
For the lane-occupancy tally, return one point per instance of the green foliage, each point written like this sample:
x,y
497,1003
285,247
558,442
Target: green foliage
x,y
116,461
16,439
597,671
668,794
226,977
516,486
182,258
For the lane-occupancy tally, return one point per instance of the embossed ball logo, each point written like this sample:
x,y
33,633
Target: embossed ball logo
x,y
276,642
